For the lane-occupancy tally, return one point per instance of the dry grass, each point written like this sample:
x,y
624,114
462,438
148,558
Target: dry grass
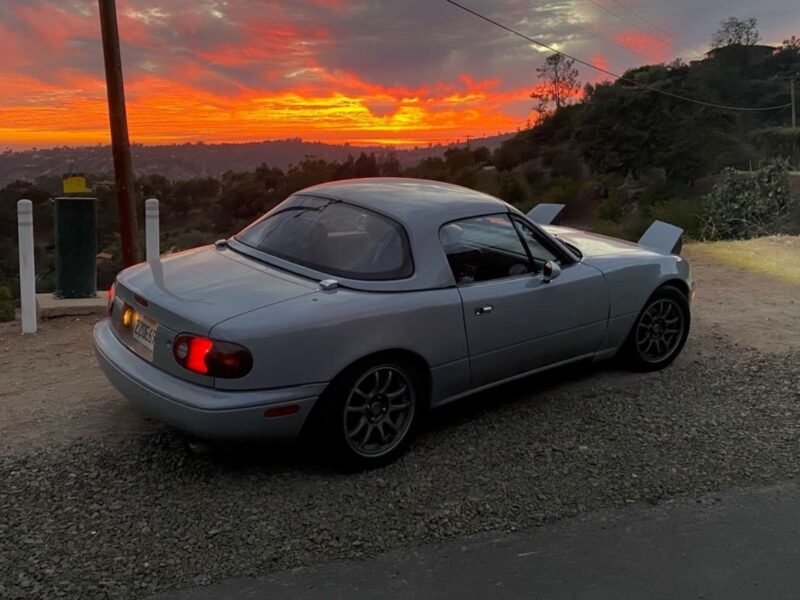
x,y
778,256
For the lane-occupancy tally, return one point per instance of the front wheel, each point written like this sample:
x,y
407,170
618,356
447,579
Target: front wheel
x,y
371,413
660,331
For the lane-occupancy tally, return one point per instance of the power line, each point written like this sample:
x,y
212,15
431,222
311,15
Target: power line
x,y
773,117
617,44
649,59
634,25
670,36
606,72
598,36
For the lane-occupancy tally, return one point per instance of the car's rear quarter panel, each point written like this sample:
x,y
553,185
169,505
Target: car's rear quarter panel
x,y
315,337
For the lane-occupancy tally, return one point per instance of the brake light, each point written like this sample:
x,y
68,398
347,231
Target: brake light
x,y
198,351
212,357
110,295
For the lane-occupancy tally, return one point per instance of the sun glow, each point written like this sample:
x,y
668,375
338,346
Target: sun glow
x,y
164,111
223,72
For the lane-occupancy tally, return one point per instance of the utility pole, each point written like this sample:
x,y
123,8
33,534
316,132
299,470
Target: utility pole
x,y
120,144
794,107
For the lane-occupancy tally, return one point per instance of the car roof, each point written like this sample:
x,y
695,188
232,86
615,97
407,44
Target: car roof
x,y
411,201
422,207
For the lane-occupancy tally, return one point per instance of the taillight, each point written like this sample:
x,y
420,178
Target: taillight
x,y
212,357
110,295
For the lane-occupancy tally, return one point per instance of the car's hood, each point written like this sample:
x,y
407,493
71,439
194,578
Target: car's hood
x,y
197,289
592,244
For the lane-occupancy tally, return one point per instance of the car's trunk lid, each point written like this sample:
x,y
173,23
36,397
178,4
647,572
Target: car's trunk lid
x,y
194,290
592,244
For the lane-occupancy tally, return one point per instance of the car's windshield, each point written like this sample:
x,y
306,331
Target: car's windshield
x,y
333,237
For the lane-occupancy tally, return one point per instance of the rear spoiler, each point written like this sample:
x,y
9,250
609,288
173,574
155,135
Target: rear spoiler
x,y
663,237
546,214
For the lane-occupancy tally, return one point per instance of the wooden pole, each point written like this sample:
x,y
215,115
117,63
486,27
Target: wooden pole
x,y
794,107
120,144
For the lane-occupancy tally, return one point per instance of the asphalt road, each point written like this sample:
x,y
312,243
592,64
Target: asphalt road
x,y
739,545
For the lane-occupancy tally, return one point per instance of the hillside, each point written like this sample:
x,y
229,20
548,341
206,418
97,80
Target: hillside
x,y
737,115
185,161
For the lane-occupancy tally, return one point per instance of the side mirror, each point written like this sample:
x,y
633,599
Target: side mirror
x,y
550,271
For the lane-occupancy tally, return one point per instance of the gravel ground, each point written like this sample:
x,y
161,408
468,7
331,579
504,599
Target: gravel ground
x,y
125,518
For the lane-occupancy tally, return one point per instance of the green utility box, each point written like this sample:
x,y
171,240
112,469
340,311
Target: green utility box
x,y
76,247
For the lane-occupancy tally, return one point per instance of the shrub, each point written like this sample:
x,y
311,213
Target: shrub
x,y
533,176
684,213
610,209
6,304
747,205
778,141
511,189
562,192
566,165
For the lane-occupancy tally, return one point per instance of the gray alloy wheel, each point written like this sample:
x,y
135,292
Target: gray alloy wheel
x,y
379,411
660,330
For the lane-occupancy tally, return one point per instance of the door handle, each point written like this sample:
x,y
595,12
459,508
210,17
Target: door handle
x,y
484,310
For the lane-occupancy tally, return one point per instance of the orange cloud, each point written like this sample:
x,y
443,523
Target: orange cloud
x,y
637,41
265,44
601,62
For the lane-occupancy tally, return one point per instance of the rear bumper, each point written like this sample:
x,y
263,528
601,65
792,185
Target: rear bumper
x,y
201,411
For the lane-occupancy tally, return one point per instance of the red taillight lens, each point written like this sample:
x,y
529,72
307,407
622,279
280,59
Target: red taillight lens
x,y
198,351
110,295
212,357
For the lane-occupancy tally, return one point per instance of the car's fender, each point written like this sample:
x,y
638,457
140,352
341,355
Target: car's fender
x,y
632,278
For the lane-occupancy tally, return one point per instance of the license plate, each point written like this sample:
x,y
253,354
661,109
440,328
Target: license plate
x,y
144,331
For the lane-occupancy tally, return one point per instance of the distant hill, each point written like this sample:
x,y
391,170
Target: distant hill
x,y
184,161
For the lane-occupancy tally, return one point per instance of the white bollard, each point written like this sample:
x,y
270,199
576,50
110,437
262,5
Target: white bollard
x,y
151,232
27,274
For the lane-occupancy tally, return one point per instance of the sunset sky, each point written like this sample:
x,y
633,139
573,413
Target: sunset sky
x,y
359,71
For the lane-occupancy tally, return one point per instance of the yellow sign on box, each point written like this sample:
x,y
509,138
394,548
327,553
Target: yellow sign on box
x,y
74,184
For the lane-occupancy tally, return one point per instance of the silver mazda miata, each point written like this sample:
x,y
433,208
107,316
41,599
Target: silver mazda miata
x,y
354,307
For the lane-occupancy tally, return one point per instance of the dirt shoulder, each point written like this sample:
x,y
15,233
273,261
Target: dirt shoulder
x,y
53,392
776,256
753,309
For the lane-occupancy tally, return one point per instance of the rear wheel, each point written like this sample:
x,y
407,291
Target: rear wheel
x,y
660,331
371,413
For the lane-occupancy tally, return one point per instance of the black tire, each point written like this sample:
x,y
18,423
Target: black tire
x,y
364,424
660,331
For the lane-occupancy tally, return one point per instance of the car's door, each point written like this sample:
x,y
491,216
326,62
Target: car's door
x,y
515,321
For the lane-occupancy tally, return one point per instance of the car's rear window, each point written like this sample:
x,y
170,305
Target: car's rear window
x,y
333,237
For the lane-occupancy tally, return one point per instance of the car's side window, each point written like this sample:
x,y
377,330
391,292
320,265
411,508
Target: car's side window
x,y
484,249
538,252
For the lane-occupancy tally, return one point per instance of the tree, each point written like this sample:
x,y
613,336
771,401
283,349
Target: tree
x,y
366,166
793,43
559,83
389,166
734,31
190,193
